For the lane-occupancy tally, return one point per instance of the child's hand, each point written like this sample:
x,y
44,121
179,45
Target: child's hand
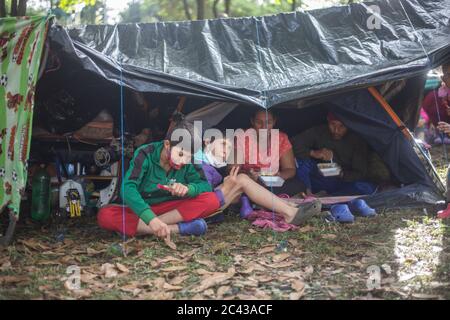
x,y
159,228
178,190
444,127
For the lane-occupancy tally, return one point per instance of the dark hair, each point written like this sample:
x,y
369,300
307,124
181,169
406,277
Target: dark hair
x,y
445,65
264,110
194,137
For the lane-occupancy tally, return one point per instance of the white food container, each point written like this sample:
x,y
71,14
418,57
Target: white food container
x,y
329,169
272,181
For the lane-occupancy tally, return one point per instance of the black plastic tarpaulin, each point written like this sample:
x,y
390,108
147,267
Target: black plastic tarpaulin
x,y
268,60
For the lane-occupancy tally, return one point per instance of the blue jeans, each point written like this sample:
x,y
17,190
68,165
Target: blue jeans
x,y
308,172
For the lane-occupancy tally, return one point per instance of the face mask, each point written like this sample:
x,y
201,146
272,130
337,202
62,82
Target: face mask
x,y
172,164
212,160
444,92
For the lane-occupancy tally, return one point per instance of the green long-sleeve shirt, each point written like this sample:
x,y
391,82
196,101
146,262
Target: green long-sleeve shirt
x,y
145,173
351,152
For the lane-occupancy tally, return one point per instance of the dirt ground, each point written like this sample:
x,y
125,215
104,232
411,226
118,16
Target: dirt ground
x,y
396,255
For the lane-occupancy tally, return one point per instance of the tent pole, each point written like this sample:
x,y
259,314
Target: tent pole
x,y
424,158
374,92
177,110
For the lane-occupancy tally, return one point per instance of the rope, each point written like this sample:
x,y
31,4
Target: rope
x,y
444,147
264,101
122,169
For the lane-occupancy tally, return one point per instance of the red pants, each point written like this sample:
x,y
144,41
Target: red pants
x,y
113,217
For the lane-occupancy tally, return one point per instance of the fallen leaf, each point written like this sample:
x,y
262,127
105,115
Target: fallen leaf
x,y
386,268
203,272
298,285
109,270
207,263
6,266
293,242
156,295
295,296
329,236
49,263
209,292
425,296
215,279
306,229
178,280
266,250
81,293
158,283
264,278
337,271
293,274
88,277
122,268
332,294
280,257
309,270
170,243
14,279
261,295
167,259
131,288
169,287
222,291
252,231
189,253
253,266
174,268
281,265
93,252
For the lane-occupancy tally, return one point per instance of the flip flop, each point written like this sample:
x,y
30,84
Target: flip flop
x,y
306,211
342,214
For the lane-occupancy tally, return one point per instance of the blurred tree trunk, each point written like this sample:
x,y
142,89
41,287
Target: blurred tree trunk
x,y
187,11
215,11
13,11
22,8
200,9
18,8
294,5
2,8
227,7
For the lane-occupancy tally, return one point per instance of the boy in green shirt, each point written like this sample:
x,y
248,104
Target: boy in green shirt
x,y
163,191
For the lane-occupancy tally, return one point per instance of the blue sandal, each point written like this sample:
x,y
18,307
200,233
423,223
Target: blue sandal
x,y
197,227
341,213
360,208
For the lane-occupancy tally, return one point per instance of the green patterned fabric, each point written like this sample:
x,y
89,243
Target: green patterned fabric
x,y
21,43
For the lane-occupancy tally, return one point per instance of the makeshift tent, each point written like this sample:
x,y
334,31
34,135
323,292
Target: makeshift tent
x,y
300,63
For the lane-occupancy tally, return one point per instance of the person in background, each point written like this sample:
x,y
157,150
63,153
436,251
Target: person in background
x,y
436,105
333,142
260,160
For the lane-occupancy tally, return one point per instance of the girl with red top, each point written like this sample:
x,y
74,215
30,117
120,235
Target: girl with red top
x,y
270,156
